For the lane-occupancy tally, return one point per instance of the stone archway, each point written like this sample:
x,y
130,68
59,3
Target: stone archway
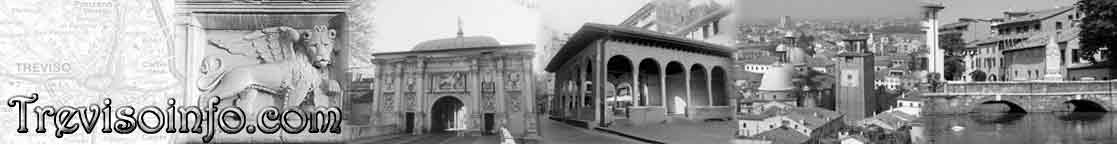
x,y
619,75
650,87
675,74
718,87
999,106
699,90
447,113
1084,105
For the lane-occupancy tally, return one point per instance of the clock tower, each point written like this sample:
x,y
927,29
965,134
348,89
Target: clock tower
x,y
854,91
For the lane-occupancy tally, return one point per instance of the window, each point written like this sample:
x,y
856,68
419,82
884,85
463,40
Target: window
x,y
1058,25
715,26
705,31
1074,55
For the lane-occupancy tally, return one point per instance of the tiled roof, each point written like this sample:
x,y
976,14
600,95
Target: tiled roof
x,y
955,24
594,31
765,60
457,42
783,136
819,61
893,119
1040,40
974,43
813,117
759,116
1008,37
769,48
1038,15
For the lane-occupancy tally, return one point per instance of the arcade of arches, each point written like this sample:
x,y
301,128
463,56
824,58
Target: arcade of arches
x,y
637,79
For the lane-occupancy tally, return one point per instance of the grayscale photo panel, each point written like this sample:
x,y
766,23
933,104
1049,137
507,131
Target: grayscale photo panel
x,y
558,72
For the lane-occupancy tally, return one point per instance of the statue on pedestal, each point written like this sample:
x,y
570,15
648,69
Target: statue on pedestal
x,y
1053,61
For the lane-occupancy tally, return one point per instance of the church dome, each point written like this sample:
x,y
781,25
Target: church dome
x,y
457,42
777,79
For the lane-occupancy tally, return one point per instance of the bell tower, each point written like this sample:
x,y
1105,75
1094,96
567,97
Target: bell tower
x,y
855,81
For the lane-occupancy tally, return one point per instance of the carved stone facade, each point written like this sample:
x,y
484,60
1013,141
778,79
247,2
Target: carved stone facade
x,y
483,86
254,39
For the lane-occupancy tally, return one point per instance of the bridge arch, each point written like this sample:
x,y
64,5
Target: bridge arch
x,y
1084,105
1012,106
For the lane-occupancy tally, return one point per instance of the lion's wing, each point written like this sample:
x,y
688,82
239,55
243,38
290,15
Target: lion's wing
x,y
276,44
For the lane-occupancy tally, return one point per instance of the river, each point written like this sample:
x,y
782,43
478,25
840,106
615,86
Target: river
x,y
1019,128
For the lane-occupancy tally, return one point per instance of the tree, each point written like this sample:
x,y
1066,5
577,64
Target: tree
x,y
812,83
954,68
978,76
885,96
933,83
360,32
1098,30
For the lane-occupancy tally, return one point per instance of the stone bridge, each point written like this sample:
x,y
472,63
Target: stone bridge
x,y
1030,96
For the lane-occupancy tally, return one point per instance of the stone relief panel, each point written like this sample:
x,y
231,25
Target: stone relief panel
x,y
489,100
513,80
513,99
387,104
389,83
488,91
410,83
409,99
449,82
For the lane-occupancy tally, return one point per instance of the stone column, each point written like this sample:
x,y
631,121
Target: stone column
x,y
686,76
634,87
663,89
599,82
398,90
709,88
531,115
501,117
580,92
421,96
376,83
474,88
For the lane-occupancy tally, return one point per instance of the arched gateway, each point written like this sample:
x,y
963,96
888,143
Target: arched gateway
x,y
472,84
447,113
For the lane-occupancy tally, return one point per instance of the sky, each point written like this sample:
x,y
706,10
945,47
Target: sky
x,y
401,24
992,8
568,15
804,9
404,23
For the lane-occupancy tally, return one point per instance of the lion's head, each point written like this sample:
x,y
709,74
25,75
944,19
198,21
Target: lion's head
x,y
319,45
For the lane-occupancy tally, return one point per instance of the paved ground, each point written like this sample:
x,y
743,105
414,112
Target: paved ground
x,y
680,131
555,132
431,138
